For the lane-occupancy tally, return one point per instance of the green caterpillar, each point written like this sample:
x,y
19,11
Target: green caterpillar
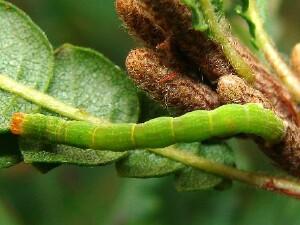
x,y
225,121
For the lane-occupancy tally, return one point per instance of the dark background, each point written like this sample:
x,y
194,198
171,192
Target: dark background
x,y
83,196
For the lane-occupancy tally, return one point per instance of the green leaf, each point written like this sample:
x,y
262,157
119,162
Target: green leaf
x,y
191,179
60,154
86,79
142,163
197,15
261,6
89,81
198,20
26,56
253,11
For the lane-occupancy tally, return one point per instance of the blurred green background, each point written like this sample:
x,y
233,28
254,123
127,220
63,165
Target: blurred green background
x,y
83,196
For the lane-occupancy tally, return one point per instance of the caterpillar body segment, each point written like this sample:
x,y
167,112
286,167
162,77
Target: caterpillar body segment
x,y
200,125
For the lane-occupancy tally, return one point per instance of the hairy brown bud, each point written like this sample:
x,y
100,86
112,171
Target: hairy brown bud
x,y
166,25
232,89
172,15
269,85
295,59
139,22
167,83
176,19
209,57
146,20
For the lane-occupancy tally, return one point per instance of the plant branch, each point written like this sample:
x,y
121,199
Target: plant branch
x,y
46,101
219,30
265,43
280,185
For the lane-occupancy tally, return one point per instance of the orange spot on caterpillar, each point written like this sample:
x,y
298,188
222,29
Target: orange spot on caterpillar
x,y
168,77
17,123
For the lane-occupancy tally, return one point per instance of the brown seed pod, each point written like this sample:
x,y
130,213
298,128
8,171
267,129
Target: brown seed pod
x,y
295,59
139,22
232,89
167,83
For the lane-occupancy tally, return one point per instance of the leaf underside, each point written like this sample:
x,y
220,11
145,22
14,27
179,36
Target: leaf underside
x,y
87,80
143,164
26,56
191,179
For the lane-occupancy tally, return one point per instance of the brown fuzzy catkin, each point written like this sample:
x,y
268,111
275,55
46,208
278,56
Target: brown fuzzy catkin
x,y
139,22
173,20
208,56
270,86
166,83
233,89
176,19
139,19
171,15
